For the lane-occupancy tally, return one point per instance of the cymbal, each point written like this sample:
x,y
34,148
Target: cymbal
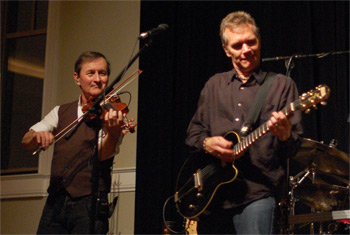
x,y
323,197
329,179
323,158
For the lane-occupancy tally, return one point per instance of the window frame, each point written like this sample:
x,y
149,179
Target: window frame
x,y
29,32
36,184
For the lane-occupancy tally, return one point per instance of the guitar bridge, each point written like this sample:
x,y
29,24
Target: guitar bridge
x,y
197,180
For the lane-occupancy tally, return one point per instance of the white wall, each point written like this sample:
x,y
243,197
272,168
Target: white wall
x,y
110,27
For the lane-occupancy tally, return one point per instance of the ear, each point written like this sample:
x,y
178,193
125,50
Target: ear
x,y
226,50
76,78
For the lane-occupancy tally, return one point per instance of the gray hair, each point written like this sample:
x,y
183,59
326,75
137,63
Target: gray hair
x,y
236,19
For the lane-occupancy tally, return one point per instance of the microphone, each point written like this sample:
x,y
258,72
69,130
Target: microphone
x,y
152,32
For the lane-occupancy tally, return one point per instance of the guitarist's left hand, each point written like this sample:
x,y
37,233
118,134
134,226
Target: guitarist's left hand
x,y
280,126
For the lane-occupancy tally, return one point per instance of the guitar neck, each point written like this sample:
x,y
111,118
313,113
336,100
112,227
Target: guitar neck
x,y
259,132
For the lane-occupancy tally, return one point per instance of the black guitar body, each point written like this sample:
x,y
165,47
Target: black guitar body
x,y
199,179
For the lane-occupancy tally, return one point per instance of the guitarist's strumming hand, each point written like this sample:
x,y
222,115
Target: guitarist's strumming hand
x,y
280,126
219,147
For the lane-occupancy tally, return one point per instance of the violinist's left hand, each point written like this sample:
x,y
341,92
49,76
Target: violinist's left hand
x,y
113,121
280,126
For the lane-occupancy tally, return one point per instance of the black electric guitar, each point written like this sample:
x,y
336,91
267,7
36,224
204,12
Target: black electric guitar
x,y
199,179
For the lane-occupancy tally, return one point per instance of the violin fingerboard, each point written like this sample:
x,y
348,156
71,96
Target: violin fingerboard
x,y
108,106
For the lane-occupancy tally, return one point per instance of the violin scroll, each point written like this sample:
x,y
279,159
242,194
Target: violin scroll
x,y
127,125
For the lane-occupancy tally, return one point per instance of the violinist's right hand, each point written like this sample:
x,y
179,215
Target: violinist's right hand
x,y
32,139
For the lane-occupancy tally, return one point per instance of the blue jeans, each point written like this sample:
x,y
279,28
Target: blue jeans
x,y
256,218
63,214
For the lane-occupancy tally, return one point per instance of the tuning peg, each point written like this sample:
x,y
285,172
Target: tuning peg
x,y
307,111
315,106
323,103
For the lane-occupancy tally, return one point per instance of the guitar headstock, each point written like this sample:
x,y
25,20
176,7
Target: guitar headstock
x,y
311,98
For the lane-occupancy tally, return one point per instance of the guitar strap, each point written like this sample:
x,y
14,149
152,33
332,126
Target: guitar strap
x,y
259,99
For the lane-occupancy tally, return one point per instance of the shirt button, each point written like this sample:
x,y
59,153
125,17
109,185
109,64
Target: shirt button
x,y
239,104
236,119
241,88
64,180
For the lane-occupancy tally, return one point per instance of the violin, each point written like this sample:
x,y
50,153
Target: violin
x,y
112,101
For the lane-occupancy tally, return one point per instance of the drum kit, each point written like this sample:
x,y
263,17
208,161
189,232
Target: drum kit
x,y
321,189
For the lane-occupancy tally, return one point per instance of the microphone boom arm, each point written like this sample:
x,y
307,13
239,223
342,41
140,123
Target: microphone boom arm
x,y
318,55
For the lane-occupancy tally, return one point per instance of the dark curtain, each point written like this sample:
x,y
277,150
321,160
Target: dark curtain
x,y
180,61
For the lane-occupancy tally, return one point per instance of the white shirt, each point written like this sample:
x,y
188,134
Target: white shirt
x,y
50,122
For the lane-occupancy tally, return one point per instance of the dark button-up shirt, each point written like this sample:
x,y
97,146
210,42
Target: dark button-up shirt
x,y
223,106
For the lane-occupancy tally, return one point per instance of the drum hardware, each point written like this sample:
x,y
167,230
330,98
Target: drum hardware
x,y
320,217
323,185
294,182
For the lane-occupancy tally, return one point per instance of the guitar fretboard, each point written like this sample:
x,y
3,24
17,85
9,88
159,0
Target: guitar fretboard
x,y
262,130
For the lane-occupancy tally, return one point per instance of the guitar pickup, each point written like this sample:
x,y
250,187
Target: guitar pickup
x,y
198,180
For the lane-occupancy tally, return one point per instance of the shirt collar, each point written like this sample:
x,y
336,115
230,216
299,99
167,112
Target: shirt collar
x,y
80,108
79,102
258,75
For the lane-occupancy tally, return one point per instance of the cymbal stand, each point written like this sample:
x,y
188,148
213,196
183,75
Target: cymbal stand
x,y
294,182
312,224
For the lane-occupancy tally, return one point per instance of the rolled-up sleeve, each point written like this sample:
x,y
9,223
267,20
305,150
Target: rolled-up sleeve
x,y
49,123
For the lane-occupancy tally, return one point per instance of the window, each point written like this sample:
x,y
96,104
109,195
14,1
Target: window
x,y
23,30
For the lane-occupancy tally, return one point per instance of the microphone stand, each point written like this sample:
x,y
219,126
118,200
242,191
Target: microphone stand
x,y
97,110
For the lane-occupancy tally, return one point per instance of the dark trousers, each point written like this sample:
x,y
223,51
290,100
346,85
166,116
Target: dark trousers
x,y
63,214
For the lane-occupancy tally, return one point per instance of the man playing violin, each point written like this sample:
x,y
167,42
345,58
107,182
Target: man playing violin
x,y
223,106
67,209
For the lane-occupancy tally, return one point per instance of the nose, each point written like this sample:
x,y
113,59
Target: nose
x,y
97,76
246,48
